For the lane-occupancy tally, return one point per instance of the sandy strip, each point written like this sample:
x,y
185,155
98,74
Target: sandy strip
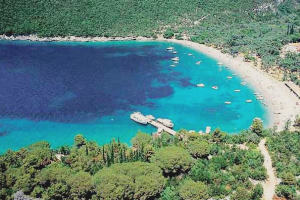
x,y
281,103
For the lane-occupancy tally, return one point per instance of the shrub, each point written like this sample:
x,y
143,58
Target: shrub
x,y
169,33
193,190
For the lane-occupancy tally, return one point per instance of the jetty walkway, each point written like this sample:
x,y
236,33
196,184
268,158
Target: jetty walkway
x,y
161,124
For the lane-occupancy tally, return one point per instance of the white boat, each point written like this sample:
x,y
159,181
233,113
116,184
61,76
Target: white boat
x,y
172,66
248,101
229,77
243,83
219,63
200,85
175,62
215,87
151,117
189,54
260,98
227,102
174,52
139,118
170,48
175,59
237,90
198,63
166,122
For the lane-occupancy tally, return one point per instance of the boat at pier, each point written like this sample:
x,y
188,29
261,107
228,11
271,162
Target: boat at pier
x,y
166,122
165,125
139,118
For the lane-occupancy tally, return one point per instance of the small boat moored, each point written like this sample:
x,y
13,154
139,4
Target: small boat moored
x,y
229,77
215,87
248,101
236,90
175,59
227,102
189,54
170,48
198,63
151,117
200,85
260,98
139,118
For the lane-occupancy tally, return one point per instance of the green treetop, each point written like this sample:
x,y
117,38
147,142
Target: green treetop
x,y
173,160
191,190
135,180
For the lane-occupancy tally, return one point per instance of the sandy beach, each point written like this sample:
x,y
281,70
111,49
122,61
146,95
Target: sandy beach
x,y
281,103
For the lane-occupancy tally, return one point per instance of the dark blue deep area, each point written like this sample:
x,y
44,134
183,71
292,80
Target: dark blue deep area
x,y
77,83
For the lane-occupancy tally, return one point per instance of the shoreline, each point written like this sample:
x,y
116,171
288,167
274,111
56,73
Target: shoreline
x,y
281,103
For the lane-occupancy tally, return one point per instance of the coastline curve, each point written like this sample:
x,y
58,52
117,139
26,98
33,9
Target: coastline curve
x,y
282,104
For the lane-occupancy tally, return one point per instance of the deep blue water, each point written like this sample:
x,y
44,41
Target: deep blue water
x,y
53,91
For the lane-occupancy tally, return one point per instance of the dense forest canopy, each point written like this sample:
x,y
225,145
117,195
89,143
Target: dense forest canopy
x,y
188,166
192,166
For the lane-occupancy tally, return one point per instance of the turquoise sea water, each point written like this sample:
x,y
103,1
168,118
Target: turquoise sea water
x,y
54,90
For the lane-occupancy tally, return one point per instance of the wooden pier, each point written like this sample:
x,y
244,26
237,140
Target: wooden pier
x,y
162,127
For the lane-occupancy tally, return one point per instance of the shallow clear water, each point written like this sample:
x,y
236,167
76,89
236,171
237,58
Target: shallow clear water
x,y
53,91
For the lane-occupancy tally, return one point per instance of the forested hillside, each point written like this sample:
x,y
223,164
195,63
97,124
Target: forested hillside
x,y
284,148
257,28
190,166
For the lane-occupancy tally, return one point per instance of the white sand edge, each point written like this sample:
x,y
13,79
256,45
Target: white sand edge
x,y
281,103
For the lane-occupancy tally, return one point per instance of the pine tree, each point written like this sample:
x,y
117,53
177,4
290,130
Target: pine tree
x,y
103,154
112,154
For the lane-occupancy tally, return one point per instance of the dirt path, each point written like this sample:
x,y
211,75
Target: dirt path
x,y
270,184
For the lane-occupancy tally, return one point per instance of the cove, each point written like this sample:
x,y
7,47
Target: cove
x,y
54,90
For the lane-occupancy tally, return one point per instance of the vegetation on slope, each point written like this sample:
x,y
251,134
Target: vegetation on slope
x,y
285,153
258,29
192,166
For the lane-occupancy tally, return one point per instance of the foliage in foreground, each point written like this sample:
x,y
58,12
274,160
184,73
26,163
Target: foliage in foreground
x,y
189,166
285,153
